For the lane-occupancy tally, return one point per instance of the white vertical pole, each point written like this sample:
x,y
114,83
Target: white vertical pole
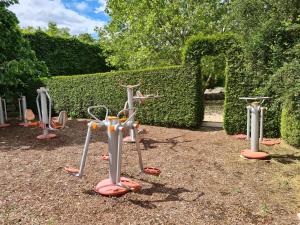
x,y
261,133
44,110
20,109
24,107
119,155
85,150
255,127
248,122
138,149
131,111
1,112
113,150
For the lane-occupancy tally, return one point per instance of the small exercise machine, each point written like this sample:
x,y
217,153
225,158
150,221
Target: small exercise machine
x,y
129,104
44,106
3,113
115,185
255,123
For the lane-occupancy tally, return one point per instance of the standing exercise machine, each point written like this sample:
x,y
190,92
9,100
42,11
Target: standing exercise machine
x,y
140,98
3,113
115,185
255,123
47,123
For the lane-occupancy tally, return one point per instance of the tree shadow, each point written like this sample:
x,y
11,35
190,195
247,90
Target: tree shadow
x,y
173,194
149,143
286,159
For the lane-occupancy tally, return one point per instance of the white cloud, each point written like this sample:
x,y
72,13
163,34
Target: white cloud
x,y
102,6
81,6
38,13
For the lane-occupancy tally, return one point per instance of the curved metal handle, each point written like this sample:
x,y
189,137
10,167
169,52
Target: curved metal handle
x,y
50,108
96,107
130,117
131,86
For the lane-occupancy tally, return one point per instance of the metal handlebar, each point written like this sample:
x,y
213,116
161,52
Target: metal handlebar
x,y
96,107
131,86
130,117
261,99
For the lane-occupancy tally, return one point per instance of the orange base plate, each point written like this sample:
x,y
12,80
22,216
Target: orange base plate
x,y
240,136
254,155
107,188
152,171
4,125
270,142
71,170
46,136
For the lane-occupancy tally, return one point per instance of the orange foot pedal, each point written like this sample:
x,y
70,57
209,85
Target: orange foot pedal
x,y
152,171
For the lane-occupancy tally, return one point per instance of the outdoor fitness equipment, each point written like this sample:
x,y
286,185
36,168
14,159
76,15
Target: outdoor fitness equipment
x,y
26,114
255,120
129,104
115,185
44,106
3,113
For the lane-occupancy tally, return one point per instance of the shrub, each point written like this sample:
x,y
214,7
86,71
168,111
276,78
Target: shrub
x,y
67,56
180,105
290,119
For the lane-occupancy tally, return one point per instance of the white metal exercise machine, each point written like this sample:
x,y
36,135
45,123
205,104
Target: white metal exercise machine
x,y
44,106
115,185
3,113
255,122
140,98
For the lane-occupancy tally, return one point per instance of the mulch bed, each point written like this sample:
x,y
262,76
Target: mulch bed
x,y
203,180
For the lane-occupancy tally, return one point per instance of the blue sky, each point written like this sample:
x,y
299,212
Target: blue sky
x,y
80,16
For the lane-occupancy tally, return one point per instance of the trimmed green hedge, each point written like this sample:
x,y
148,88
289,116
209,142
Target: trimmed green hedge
x,y
290,119
236,81
180,106
67,56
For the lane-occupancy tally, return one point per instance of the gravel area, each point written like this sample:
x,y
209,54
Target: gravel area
x,y
203,180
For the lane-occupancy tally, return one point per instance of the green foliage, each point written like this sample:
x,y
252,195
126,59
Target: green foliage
x,y
290,119
145,33
180,105
67,56
212,68
18,63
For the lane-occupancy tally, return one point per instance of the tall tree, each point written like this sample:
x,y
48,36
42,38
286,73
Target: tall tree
x,y
144,33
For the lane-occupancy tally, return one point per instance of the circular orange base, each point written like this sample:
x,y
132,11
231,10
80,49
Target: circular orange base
x,y
4,125
71,170
241,136
152,171
107,188
270,142
128,139
254,155
29,124
105,157
46,136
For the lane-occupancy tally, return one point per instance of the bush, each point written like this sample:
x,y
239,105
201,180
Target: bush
x,y
67,56
290,119
180,105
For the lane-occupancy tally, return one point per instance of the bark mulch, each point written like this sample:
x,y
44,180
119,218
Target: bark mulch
x,y
203,180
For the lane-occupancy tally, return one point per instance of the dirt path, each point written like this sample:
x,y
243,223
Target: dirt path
x,y
203,180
